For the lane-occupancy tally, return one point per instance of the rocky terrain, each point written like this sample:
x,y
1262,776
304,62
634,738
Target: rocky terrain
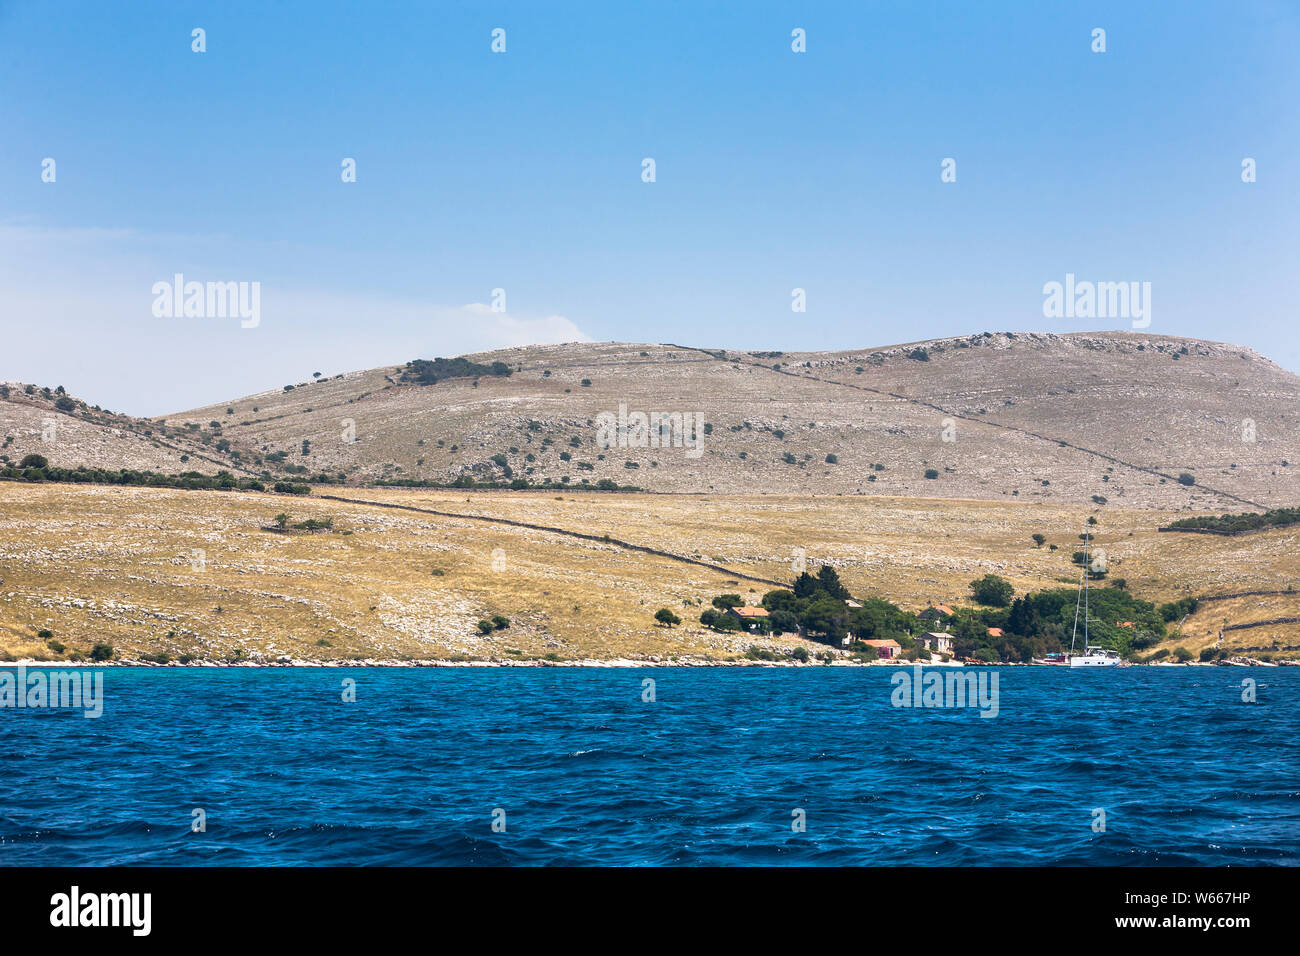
x,y
69,432
407,575
911,469
1109,418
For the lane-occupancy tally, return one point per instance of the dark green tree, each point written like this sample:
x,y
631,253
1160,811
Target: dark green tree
x,y
992,590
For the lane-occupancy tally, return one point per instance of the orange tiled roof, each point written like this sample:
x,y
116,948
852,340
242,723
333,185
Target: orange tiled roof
x,y
750,611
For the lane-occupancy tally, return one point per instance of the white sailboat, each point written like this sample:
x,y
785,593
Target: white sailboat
x,y
1093,655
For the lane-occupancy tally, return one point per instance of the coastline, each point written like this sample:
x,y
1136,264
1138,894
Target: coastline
x,y
594,663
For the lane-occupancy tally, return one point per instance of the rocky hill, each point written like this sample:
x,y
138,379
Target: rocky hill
x,y
69,432
1116,418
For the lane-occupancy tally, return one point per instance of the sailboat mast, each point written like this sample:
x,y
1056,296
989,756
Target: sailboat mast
x,y
1087,568
1078,597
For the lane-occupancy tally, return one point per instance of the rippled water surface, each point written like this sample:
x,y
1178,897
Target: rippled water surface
x,y
709,773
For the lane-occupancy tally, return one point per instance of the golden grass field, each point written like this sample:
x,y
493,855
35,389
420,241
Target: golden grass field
x,y
193,572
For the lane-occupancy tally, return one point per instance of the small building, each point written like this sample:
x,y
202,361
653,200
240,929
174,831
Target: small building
x,y
995,632
938,641
935,611
748,615
885,649
849,602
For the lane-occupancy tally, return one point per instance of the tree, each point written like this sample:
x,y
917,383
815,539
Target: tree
x,y
783,622
1039,540
779,600
281,520
666,617
992,590
931,473
34,461
719,621
1185,479
805,585
101,652
826,616
724,601
830,583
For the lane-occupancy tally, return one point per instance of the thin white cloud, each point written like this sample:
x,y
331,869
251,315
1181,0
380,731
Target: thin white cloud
x,y
502,330
75,307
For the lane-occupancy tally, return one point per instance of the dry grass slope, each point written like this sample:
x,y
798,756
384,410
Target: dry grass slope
x,y
122,565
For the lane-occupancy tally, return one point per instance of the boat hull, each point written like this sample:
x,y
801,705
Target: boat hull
x,y
1094,662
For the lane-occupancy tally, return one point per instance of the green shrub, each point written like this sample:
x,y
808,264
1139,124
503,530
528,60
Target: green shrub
x,y
992,590
666,617
719,620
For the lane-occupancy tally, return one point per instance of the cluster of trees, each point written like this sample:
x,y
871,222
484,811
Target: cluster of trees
x,y
498,622
426,372
1030,626
1042,622
814,605
1177,609
515,484
37,468
311,524
1235,524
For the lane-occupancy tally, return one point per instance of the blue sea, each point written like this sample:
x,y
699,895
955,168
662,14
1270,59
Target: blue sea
x,y
720,768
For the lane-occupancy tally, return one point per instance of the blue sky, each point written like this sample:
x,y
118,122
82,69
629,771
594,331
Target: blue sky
x,y
522,171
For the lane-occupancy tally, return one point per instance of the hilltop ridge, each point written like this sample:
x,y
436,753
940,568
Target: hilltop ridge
x,y
1121,418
